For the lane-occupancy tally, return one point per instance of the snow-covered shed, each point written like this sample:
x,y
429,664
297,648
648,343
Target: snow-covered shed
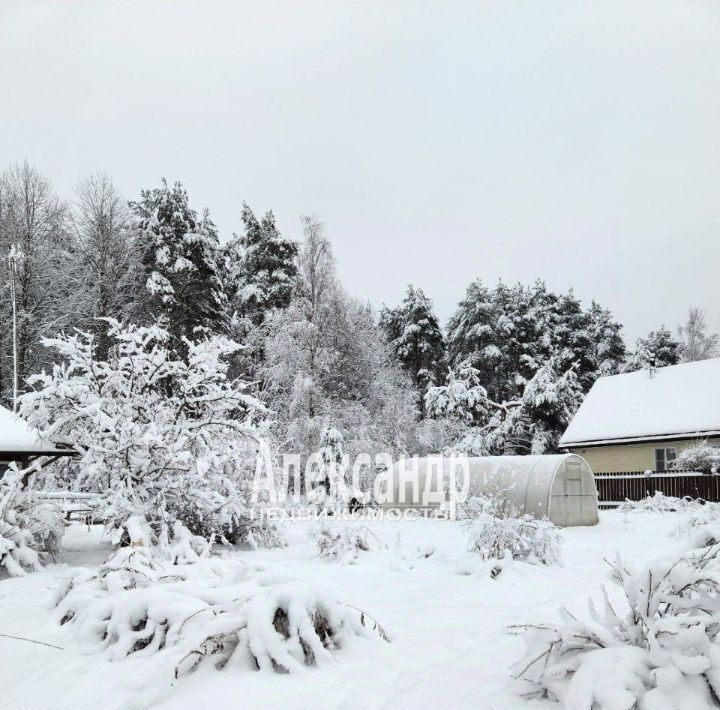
x,y
20,443
639,421
558,487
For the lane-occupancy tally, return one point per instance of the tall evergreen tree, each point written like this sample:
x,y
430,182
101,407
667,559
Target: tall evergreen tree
x,y
179,263
261,267
508,333
659,349
413,332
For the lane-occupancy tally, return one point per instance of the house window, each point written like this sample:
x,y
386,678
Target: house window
x,y
664,459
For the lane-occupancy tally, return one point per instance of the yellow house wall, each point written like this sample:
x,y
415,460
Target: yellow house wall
x,y
630,457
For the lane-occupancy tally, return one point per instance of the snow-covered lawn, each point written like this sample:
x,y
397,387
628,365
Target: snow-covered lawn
x,y
450,645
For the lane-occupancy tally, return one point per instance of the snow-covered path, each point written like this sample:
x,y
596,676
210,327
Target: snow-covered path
x,y
450,646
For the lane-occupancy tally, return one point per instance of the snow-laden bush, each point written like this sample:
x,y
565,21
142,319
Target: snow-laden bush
x,y
341,543
696,516
220,612
525,538
28,528
661,652
703,458
493,533
158,435
657,503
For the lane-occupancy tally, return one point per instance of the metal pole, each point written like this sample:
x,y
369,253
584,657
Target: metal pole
x,y
12,264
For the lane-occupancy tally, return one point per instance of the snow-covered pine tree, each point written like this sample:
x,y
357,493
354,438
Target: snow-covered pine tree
x,y
180,269
261,267
531,423
159,436
507,333
332,469
659,349
414,334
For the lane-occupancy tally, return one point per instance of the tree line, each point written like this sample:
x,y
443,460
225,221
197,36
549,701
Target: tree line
x,y
504,376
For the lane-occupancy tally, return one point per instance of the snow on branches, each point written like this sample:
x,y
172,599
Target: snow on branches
x,y
161,437
28,527
529,424
662,652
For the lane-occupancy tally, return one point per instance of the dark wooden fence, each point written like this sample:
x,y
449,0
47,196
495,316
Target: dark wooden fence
x,y
614,488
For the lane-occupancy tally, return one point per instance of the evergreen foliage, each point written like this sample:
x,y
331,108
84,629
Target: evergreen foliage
x,y
414,334
179,266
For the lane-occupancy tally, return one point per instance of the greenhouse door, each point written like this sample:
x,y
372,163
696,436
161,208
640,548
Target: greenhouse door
x,y
573,494
574,498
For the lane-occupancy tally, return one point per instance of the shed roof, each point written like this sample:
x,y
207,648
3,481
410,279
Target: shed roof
x,y
18,438
679,401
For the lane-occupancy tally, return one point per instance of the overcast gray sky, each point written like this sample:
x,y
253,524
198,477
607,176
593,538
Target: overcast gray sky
x,y
574,141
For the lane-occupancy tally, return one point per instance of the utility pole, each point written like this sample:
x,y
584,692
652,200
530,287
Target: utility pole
x,y
14,257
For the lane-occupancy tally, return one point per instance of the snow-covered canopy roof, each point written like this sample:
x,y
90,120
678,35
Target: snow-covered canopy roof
x,y
16,437
680,401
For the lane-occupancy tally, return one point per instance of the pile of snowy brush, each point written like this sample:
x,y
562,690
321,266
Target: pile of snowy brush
x,y
661,651
181,607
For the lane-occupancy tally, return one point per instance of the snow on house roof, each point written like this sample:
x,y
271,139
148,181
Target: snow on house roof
x,y
673,402
17,437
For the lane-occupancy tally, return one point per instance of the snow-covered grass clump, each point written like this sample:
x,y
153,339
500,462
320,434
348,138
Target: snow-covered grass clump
x,y
342,544
697,516
661,652
221,612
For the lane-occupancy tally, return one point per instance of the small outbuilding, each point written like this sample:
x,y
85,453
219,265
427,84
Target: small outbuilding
x,y
558,487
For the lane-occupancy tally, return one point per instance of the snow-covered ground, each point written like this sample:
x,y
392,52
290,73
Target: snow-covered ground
x,y
450,644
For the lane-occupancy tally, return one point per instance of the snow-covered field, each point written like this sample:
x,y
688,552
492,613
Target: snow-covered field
x,y
449,640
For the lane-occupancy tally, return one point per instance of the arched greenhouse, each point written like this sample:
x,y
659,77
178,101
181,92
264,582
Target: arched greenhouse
x,y
558,487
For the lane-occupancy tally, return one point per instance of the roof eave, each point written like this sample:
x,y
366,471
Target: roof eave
x,y
640,439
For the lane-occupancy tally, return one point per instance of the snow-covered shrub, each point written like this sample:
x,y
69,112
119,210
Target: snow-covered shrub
x,y
159,435
657,503
703,458
525,538
661,652
696,516
281,628
17,554
220,611
28,527
341,543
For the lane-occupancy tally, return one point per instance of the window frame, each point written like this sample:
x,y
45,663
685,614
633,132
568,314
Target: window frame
x,y
668,454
